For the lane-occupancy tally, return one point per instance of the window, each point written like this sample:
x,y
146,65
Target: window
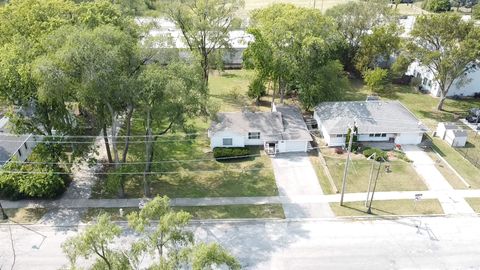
x,y
384,134
254,135
227,141
25,145
339,135
371,135
19,152
424,81
378,134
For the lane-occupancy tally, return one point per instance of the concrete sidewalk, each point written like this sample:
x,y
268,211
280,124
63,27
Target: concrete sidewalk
x,y
212,201
452,204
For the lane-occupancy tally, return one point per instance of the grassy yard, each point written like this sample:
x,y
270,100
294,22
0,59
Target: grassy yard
x,y
25,215
322,178
474,203
203,212
198,175
449,175
402,176
388,208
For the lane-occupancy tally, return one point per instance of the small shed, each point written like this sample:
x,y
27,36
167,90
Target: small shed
x,y
456,137
443,127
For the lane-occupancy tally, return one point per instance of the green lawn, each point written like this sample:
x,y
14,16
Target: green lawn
x,y
388,208
402,176
25,215
202,212
322,178
203,177
449,175
474,203
469,172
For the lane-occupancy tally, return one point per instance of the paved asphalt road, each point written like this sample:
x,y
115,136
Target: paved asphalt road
x,y
438,243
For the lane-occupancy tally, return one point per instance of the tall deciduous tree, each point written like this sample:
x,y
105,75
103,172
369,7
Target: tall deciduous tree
x,y
355,20
288,53
205,25
446,45
167,97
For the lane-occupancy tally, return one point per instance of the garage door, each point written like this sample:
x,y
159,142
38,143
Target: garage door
x,y
295,146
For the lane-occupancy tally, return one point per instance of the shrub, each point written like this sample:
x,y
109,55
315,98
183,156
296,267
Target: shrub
x,y
226,152
437,5
381,155
476,11
45,184
376,79
257,89
401,155
338,150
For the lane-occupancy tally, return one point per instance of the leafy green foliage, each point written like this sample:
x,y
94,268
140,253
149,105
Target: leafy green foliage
x,y
292,55
378,47
376,79
205,25
476,11
257,89
380,154
354,139
34,180
437,5
446,45
355,20
162,234
226,152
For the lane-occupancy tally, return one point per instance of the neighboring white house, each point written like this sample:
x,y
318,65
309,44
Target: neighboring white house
x,y
377,121
12,145
467,85
280,131
442,128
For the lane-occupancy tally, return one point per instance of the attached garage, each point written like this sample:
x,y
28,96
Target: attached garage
x,y
292,146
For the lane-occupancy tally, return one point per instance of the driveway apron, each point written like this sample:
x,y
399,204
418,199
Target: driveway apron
x,y
296,178
452,204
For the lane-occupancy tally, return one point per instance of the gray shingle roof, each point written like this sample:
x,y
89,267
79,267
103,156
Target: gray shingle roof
x,y
269,124
285,124
370,116
293,123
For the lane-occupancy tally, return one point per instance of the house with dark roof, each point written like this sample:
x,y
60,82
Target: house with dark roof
x,y
279,131
376,121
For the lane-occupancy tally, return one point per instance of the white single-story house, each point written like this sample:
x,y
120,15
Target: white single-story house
x,y
467,85
456,137
376,121
13,145
280,131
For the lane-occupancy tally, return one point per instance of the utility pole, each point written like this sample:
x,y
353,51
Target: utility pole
x,y
373,191
349,149
374,155
4,215
314,3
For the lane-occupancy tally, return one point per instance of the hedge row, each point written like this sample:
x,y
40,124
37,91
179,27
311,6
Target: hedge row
x,y
381,155
226,152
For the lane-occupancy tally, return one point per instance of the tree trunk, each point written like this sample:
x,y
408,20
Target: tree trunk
x,y
205,68
440,104
148,154
129,132
282,86
121,187
107,144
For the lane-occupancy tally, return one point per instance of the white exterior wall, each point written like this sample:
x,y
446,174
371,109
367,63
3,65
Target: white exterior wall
x,y
455,141
217,140
296,146
408,138
336,141
24,151
441,131
471,86
367,138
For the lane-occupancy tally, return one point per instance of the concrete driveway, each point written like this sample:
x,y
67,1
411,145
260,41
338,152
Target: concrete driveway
x,y
425,167
296,179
